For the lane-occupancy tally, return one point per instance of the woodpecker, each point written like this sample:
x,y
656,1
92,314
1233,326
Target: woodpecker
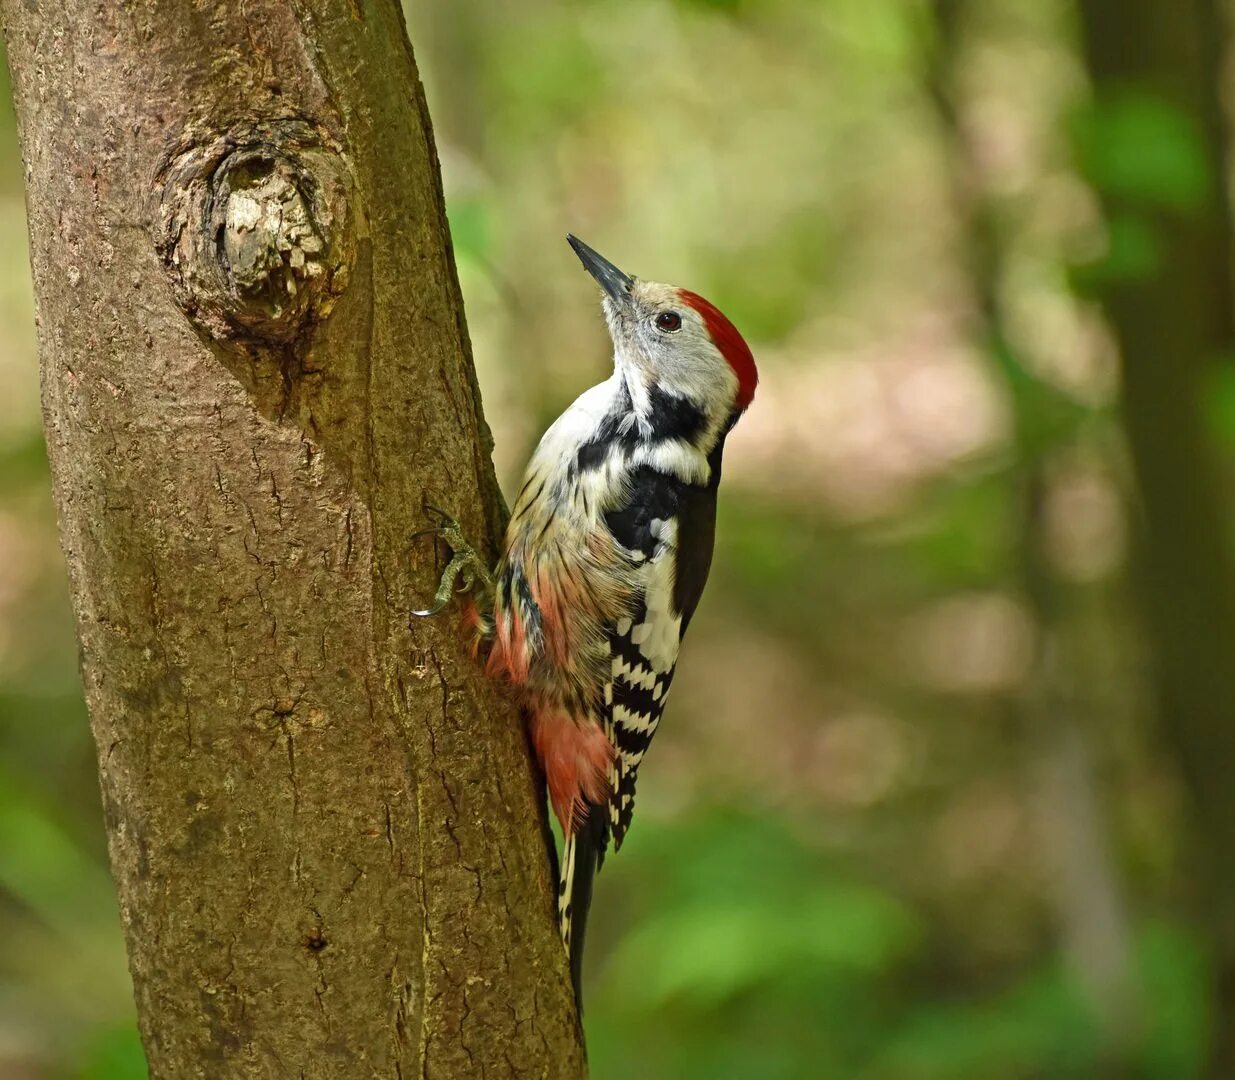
x,y
605,557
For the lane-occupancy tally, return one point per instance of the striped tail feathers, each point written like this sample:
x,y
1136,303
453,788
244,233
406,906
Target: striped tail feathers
x,y
582,857
578,760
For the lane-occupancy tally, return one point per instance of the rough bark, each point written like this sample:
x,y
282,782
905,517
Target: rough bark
x,y
324,826
1175,325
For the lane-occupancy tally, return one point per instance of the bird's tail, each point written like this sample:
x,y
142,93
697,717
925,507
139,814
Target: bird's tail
x,y
582,856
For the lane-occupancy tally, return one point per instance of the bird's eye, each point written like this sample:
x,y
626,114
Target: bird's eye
x,y
668,321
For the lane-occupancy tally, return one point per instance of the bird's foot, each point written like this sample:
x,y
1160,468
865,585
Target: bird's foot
x,y
466,569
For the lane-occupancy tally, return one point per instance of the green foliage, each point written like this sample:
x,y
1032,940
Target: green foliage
x,y
545,75
887,35
470,229
1036,1028
961,536
42,867
1146,156
1218,399
751,905
23,463
795,265
114,1054
1143,149
727,7
760,955
1175,981
1132,254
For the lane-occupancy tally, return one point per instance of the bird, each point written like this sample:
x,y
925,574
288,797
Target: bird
x,y
605,557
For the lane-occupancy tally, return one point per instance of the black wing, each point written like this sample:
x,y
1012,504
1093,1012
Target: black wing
x,y
643,647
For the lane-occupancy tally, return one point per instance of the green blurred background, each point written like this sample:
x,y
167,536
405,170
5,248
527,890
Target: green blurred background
x,y
931,800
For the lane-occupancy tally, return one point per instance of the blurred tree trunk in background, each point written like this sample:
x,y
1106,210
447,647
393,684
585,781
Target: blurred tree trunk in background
x,y
1154,146
323,825
1087,892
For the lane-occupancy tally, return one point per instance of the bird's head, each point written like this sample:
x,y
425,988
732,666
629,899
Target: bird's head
x,y
673,339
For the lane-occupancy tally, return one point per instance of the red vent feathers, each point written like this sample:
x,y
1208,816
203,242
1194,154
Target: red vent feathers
x,y
732,346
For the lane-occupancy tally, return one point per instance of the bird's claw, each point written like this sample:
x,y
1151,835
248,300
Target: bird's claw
x,y
465,570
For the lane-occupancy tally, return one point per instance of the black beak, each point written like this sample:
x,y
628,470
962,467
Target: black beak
x,y
610,278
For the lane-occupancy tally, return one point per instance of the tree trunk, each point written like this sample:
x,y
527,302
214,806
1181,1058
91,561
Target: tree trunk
x,y
1173,320
324,827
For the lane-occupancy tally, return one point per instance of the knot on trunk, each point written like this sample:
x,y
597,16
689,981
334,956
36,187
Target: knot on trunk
x,y
254,229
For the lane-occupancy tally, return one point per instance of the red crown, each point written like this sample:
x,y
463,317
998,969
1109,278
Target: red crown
x,y
731,344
